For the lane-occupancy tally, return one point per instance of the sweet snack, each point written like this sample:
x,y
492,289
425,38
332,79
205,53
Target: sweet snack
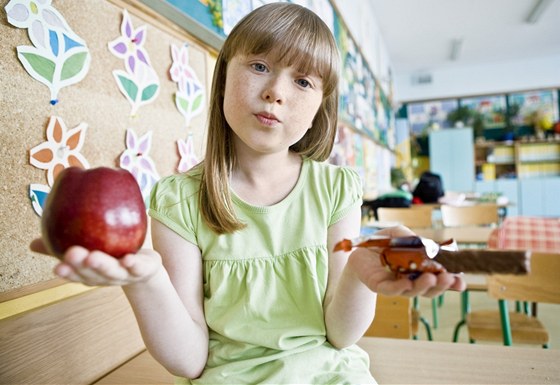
x,y
413,255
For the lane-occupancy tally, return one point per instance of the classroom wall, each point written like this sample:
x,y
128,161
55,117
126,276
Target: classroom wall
x,y
361,21
95,102
490,78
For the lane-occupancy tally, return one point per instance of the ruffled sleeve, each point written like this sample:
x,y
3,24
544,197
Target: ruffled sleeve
x,y
347,193
174,203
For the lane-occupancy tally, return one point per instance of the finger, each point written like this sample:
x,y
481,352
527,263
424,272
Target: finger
x,y
459,284
423,284
92,268
443,283
140,265
63,270
104,268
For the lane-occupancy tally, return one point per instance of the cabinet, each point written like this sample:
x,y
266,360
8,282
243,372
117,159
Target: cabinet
x,y
451,156
523,160
528,173
539,196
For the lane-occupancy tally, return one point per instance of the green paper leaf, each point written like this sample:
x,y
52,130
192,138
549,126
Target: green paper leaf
x,y
42,66
197,102
149,92
183,104
73,65
129,86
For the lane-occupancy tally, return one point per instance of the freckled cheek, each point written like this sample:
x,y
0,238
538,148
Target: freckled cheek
x,y
236,95
306,112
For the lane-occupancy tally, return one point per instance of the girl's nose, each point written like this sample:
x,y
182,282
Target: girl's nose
x,y
275,90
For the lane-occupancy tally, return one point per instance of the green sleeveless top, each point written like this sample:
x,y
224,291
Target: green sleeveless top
x,y
264,286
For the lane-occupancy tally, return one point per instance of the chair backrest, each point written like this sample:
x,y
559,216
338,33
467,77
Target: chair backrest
x,y
540,285
420,216
478,215
392,318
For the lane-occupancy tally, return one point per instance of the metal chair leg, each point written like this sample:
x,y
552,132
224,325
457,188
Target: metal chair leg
x,y
427,326
435,319
465,309
504,315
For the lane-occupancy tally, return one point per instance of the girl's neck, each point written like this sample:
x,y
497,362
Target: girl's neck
x,y
265,180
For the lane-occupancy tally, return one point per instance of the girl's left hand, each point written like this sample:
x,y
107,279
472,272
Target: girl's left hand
x,y
366,264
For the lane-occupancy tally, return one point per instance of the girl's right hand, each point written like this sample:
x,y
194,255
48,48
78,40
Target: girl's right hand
x,y
95,268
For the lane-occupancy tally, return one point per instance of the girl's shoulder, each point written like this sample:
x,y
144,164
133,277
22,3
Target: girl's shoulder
x,y
332,173
178,186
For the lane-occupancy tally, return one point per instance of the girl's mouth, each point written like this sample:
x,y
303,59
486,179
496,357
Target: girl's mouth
x,y
267,119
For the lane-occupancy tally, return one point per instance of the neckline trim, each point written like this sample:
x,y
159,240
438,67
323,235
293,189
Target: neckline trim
x,y
284,202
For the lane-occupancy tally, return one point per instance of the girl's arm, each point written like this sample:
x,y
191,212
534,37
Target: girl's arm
x,y
356,277
169,307
164,288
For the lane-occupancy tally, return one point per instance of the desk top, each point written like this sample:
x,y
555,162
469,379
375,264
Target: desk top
x,y
427,362
409,362
463,234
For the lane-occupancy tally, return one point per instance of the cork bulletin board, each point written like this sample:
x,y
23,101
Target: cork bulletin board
x,y
95,102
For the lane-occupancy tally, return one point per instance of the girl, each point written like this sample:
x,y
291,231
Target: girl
x,y
243,286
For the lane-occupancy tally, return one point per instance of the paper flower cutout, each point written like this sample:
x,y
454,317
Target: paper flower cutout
x,y
38,194
61,150
136,159
58,57
188,157
139,83
190,97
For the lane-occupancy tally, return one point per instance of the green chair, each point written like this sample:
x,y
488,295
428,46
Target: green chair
x,y
417,319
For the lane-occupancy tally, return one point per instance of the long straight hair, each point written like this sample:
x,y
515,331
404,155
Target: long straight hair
x,y
294,36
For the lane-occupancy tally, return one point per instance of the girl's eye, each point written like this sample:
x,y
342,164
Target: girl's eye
x,y
303,83
259,67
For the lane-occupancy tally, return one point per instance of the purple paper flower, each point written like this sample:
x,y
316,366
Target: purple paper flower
x,y
136,159
130,45
182,73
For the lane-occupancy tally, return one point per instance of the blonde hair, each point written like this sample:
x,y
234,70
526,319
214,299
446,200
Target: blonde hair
x,y
295,36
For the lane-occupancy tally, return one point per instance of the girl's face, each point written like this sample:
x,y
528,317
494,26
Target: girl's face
x,y
269,106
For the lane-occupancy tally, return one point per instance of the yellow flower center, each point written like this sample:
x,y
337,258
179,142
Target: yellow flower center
x,y
33,7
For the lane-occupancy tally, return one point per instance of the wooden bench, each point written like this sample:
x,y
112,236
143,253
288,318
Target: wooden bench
x,y
74,341
93,338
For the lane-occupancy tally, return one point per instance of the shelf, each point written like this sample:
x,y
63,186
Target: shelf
x,y
539,161
498,160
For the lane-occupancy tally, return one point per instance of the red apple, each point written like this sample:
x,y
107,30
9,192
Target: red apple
x,y
99,209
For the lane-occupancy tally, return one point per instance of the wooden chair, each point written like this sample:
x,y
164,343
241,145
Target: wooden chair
x,y
420,216
392,318
476,215
413,217
486,214
395,317
540,285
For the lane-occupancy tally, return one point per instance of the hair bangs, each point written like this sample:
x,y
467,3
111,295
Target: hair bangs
x,y
309,55
301,40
